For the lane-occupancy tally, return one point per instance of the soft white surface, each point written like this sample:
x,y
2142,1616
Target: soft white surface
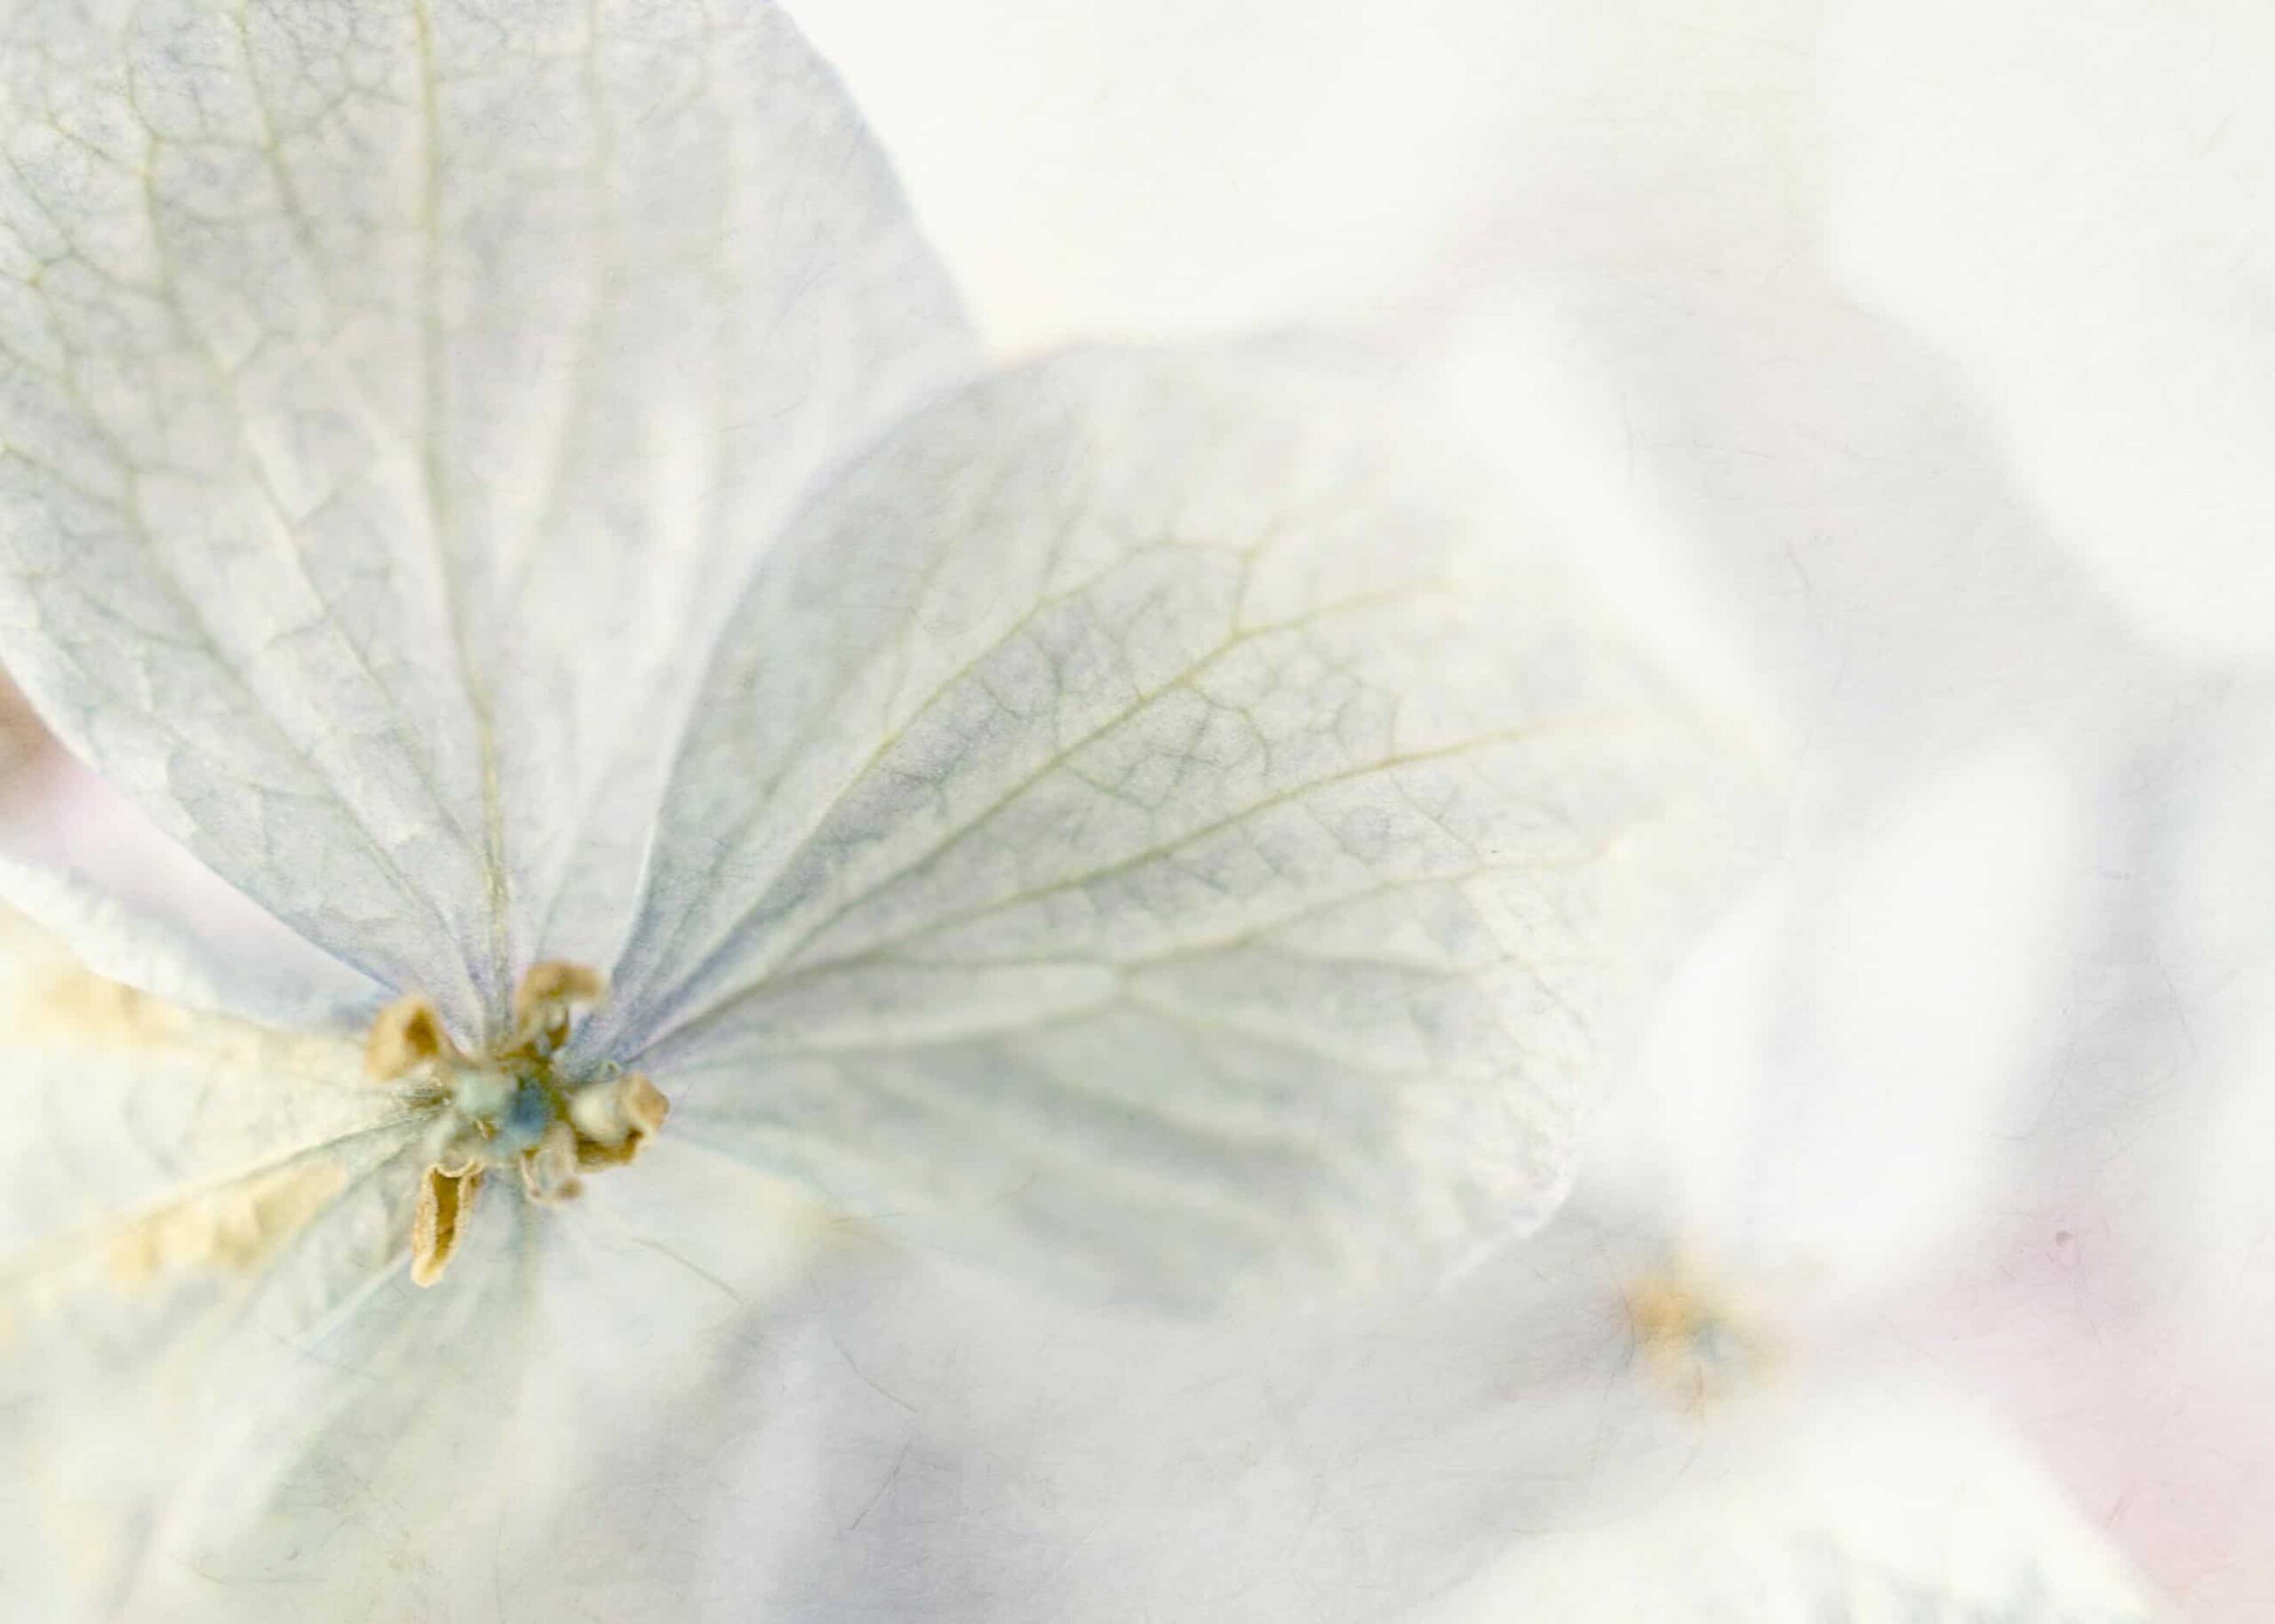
x,y
1892,362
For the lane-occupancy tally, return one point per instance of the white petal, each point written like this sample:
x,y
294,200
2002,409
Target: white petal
x,y
221,1396
2073,209
922,1443
1846,1081
541,1435
389,393
175,1189
1859,1505
77,858
2122,1299
1141,810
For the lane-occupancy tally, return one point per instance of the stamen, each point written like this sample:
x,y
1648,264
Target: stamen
x,y
507,1107
445,1200
549,1171
548,998
614,1120
407,1034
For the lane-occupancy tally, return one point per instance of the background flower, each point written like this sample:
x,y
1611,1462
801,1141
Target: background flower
x,y
1910,353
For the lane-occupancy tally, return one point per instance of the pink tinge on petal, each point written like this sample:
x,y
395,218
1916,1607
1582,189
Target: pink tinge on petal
x,y
2161,1428
86,863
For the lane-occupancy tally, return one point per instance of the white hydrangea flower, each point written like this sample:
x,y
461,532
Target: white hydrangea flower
x,y
484,476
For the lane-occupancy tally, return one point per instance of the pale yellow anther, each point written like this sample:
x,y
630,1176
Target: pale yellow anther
x,y
550,994
645,1103
549,1171
444,1201
406,1035
613,1119
610,1113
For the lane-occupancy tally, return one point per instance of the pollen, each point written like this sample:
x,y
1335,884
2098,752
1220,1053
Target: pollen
x,y
510,1109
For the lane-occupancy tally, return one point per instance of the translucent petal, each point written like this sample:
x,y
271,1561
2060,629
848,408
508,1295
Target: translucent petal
x,y
1141,809
387,396
538,1436
1861,1504
2076,216
178,1190
76,856
922,1442
1842,1079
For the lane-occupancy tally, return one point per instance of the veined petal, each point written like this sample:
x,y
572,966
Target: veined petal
x,y
220,1395
77,858
389,393
1139,810
178,1190
547,1437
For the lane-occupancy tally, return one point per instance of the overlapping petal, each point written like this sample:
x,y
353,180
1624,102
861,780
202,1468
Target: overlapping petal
x,y
1145,808
181,1191
392,393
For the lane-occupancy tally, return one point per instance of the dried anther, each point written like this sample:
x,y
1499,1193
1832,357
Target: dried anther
x,y
407,1035
445,1200
549,1171
613,1119
509,1108
548,1000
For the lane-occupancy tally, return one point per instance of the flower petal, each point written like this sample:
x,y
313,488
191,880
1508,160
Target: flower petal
x,y
387,393
540,1437
178,1190
914,1440
2073,208
1137,813
134,907
1851,1503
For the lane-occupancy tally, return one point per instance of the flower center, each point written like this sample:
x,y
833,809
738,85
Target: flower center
x,y
1697,1339
509,1107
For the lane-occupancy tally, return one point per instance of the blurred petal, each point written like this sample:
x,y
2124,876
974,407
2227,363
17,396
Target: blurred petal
x,y
1144,818
2120,1296
1857,1506
391,394
967,1452
1905,983
2070,202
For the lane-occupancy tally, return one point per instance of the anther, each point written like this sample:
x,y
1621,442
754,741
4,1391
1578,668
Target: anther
x,y
549,1171
445,1200
406,1035
612,1120
548,998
